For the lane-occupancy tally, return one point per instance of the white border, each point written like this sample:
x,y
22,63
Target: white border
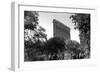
x,y
18,37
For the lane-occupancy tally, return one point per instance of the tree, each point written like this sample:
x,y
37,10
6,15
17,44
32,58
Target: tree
x,y
73,48
34,35
54,48
82,23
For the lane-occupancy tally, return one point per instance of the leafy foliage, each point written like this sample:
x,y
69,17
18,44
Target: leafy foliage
x,y
54,48
82,23
74,49
34,35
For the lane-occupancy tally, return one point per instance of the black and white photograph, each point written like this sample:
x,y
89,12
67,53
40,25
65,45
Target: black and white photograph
x,y
50,36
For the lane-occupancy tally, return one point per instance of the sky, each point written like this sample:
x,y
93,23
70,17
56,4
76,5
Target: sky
x,y
46,21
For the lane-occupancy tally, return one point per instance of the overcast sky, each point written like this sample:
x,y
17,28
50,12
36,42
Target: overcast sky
x,y
46,21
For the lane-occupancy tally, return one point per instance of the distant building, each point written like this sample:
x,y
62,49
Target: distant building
x,y
61,30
